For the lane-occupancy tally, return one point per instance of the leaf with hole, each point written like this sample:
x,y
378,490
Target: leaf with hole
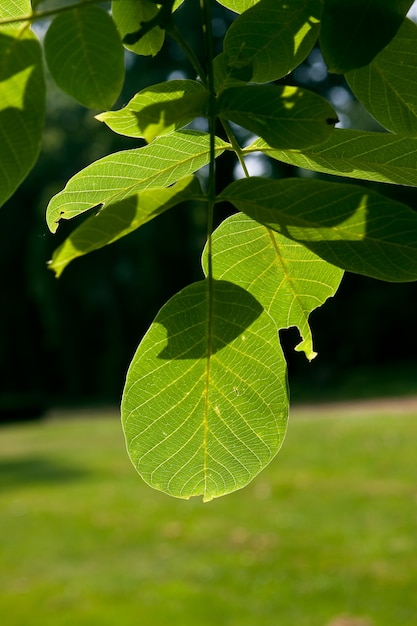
x,y
121,175
286,278
356,229
158,110
204,408
285,117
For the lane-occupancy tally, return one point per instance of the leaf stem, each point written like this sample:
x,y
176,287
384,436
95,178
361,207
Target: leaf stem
x,y
236,147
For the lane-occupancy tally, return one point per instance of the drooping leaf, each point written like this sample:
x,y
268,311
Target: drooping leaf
x,y
121,175
273,37
380,157
128,15
238,6
22,105
121,218
352,33
204,408
286,117
85,56
286,278
349,226
387,86
158,110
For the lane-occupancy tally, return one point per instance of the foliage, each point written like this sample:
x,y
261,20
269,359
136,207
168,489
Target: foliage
x,y
206,401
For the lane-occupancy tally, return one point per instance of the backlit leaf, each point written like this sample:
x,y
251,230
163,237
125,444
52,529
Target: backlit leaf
x,y
158,110
10,9
121,218
121,175
387,86
286,117
238,6
286,278
22,105
380,157
204,408
349,226
128,15
352,33
273,37
85,56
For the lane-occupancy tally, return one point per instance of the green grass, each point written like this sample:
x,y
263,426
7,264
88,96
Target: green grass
x,y
329,529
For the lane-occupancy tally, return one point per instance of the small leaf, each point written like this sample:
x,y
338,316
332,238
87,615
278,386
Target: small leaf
x,y
352,33
387,86
380,157
286,117
273,37
85,56
286,278
22,105
128,15
205,404
121,175
238,6
158,110
349,226
121,218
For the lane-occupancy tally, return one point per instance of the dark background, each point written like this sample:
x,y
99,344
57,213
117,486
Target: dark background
x,y
70,341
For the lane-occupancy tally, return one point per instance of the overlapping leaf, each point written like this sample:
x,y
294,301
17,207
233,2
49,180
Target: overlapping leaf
x,y
121,175
352,33
387,86
10,9
238,6
286,278
379,157
205,403
273,37
22,103
158,110
120,219
85,56
128,15
349,226
286,117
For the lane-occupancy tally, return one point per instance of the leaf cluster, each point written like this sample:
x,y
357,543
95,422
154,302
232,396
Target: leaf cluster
x,y
205,404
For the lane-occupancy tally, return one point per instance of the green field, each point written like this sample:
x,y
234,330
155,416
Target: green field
x,y
328,530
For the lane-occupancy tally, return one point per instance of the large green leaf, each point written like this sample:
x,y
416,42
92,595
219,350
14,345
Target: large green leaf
x,y
286,278
128,15
273,37
353,32
121,218
22,105
349,226
286,117
387,86
205,404
380,157
238,6
123,174
85,56
10,9
158,110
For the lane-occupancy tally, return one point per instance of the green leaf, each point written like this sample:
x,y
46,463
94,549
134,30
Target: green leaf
x,y
158,110
286,278
120,175
273,37
349,226
387,86
22,106
14,8
238,6
205,405
286,117
85,56
121,218
380,157
128,15
352,33
225,76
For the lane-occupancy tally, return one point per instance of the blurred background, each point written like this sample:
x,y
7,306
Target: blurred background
x,y
68,342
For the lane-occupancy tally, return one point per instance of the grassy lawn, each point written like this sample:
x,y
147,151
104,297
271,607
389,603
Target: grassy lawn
x,y
328,530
